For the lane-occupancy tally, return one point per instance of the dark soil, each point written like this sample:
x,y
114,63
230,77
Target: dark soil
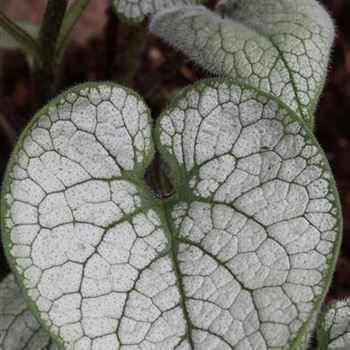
x,y
158,74
333,132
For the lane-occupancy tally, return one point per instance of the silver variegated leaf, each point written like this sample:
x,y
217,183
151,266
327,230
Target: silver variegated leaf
x,y
334,326
135,11
239,257
280,47
19,330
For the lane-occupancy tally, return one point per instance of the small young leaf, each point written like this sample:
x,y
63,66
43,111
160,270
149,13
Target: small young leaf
x,y
280,47
7,42
136,11
239,257
19,330
334,326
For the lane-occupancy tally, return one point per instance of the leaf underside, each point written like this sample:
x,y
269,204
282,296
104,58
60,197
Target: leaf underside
x,y
18,327
136,11
7,42
238,258
334,326
280,47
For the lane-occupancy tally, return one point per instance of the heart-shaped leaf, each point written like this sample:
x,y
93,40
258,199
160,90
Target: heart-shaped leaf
x,y
19,330
280,47
334,326
136,11
239,257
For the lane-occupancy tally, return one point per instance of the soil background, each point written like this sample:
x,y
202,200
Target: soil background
x,y
95,52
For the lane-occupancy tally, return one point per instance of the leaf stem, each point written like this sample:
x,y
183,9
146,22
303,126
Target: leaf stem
x,y
132,56
46,55
111,43
17,33
71,17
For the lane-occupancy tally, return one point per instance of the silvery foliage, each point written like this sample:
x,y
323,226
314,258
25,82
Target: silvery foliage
x,y
239,257
279,47
18,327
135,11
334,326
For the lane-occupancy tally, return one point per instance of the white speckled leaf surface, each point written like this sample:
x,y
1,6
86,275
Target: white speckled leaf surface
x,y
280,47
239,257
135,11
19,330
334,326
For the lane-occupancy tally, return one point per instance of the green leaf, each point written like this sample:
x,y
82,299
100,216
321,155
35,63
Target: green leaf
x,y
30,34
19,330
136,11
239,257
334,326
280,47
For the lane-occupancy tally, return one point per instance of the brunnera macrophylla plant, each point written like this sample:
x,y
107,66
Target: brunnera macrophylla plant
x,y
136,11
279,47
240,256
